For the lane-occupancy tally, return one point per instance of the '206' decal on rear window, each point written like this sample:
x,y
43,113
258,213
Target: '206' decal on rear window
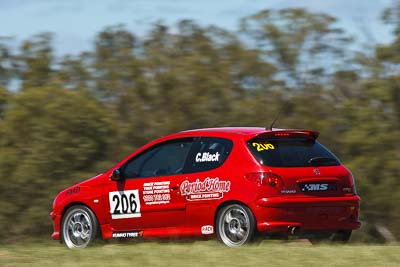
x,y
124,204
261,146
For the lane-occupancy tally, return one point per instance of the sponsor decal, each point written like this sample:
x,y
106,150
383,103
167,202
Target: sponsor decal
x,y
318,187
124,204
155,193
315,187
210,188
263,146
347,189
207,157
131,234
287,191
207,229
74,190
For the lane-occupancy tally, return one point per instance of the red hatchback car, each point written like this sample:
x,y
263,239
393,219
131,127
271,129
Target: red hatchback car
x,y
237,183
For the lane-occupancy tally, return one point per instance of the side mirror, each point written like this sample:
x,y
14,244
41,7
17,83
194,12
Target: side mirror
x,y
116,175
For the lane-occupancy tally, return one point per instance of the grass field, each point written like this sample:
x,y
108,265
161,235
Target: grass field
x,y
200,253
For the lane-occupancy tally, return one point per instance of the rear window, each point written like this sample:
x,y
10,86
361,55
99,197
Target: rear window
x,y
291,152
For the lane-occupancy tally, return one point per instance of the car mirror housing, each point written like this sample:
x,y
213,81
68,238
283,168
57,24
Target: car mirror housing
x,y
116,175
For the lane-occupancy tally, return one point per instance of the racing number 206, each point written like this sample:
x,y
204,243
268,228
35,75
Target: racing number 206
x,y
124,204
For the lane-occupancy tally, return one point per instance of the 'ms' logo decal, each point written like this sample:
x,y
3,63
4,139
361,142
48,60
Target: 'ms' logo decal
x,y
315,187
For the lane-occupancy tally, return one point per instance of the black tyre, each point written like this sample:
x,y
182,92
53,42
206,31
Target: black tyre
x,y
79,227
339,237
235,225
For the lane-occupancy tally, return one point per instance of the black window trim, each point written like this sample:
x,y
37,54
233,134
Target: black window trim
x,y
176,140
187,169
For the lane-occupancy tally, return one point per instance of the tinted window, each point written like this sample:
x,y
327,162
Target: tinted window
x,y
164,159
288,152
209,153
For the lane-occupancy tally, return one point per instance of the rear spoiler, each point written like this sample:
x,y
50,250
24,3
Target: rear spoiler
x,y
288,133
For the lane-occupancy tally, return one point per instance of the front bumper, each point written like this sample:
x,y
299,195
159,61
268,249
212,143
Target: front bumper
x,y
281,214
56,225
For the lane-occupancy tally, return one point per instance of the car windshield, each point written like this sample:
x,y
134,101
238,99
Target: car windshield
x,y
291,152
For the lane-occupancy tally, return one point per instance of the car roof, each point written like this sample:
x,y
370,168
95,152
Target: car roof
x,y
230,132
246,133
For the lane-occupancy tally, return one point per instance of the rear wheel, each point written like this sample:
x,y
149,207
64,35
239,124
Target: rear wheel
x,y
79,227
235,225
342,236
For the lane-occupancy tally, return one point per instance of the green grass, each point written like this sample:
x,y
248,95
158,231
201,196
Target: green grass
x,y
200,253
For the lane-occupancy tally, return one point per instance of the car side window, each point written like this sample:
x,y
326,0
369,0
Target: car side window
x,y
163,159
209,153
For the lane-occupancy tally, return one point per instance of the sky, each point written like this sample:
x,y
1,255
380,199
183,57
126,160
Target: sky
x,y
76,22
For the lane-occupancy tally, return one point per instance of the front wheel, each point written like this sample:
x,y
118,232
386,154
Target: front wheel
x,y
79,227
235,225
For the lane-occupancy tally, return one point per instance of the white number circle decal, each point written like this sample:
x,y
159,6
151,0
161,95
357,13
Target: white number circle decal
x,y
124,204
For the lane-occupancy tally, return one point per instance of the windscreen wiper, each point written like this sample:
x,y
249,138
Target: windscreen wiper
x,y
322,161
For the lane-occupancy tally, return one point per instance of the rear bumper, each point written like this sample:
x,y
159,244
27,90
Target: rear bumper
x,y
307,213
309,201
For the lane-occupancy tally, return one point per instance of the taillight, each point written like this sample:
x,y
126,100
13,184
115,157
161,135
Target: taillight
x,y
282,134
294,133
353,184
352,189
265,179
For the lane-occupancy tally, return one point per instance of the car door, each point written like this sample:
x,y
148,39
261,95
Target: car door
x,y
206,182
148,196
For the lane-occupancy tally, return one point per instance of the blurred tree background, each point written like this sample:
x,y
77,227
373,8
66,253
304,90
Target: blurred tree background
x,y
66,119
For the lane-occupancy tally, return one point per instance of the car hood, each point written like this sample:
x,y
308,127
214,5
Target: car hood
x,y
79,189
94,181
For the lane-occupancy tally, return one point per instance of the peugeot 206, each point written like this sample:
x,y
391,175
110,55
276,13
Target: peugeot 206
x,y
234,183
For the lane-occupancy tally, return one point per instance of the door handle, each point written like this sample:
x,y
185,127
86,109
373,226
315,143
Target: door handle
x,y
175,187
